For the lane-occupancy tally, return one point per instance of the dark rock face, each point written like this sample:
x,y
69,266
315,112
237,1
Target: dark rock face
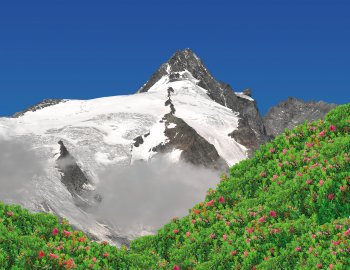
x,y
195,149
292,112
251,126
43,104
72,176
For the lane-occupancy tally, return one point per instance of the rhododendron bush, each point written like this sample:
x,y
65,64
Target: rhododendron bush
x,y
288,207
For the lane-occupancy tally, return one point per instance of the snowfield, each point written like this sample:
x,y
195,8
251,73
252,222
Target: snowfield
x,y
100,134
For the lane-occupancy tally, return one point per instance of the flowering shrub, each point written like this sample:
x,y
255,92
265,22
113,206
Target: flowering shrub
x,y
288,207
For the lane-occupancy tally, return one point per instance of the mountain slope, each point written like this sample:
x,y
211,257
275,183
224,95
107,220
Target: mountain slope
x,y
292,112
285,208
175,119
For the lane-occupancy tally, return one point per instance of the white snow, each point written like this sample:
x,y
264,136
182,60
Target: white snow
x,y
242,95
100,133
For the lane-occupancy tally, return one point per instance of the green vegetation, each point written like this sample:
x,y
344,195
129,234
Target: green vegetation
x,y
288,207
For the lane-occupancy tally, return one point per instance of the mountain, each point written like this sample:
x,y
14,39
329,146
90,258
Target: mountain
x,y
292,112
182,115
287,207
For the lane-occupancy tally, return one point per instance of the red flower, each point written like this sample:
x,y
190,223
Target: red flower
x,y
298,249
234,252
9,213
105,254
250,230
94,259
331,266
331,196
322,133
342,188
69,263
319,265
221,199
273,213
41,254
308,182
332,128
81,239
53,256
67,233
335,243
347,232
176,267
272,150
321,182
246,253
262,219
210,203
175,231
54,231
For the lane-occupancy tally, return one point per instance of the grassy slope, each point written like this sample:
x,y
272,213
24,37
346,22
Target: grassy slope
x,y
287,207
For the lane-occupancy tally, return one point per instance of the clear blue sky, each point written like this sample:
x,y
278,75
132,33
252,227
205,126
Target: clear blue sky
x,y
86,49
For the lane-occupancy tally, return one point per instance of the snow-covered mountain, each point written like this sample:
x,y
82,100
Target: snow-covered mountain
x,y
182,115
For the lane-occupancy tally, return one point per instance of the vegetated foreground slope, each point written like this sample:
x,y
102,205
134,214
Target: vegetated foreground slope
x,y
287,207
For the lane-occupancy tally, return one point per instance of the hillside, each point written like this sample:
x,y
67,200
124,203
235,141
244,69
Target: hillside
x,y
287,207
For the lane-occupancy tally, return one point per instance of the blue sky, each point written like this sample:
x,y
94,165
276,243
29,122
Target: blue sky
x,y
87,49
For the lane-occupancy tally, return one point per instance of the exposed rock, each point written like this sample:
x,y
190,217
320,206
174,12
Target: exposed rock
x,y
292,112
71,174
43,104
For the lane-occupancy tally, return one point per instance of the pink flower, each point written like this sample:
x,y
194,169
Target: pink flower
x,y
319,265
188,234
228,223
331,266
53,256
274,177
322,133
273,214
298,249
234,252
310,249
262,219
321,182
212,236
272,150
224,237
41,254
308,182
331,196
176,267
309,145
54,231
347,232
246,253
67,233
250,230
284,151
210,203
253,214
9,213
335,243
342,188
221,199
105,254
299,174
262,174
332,128
94,259
175,231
